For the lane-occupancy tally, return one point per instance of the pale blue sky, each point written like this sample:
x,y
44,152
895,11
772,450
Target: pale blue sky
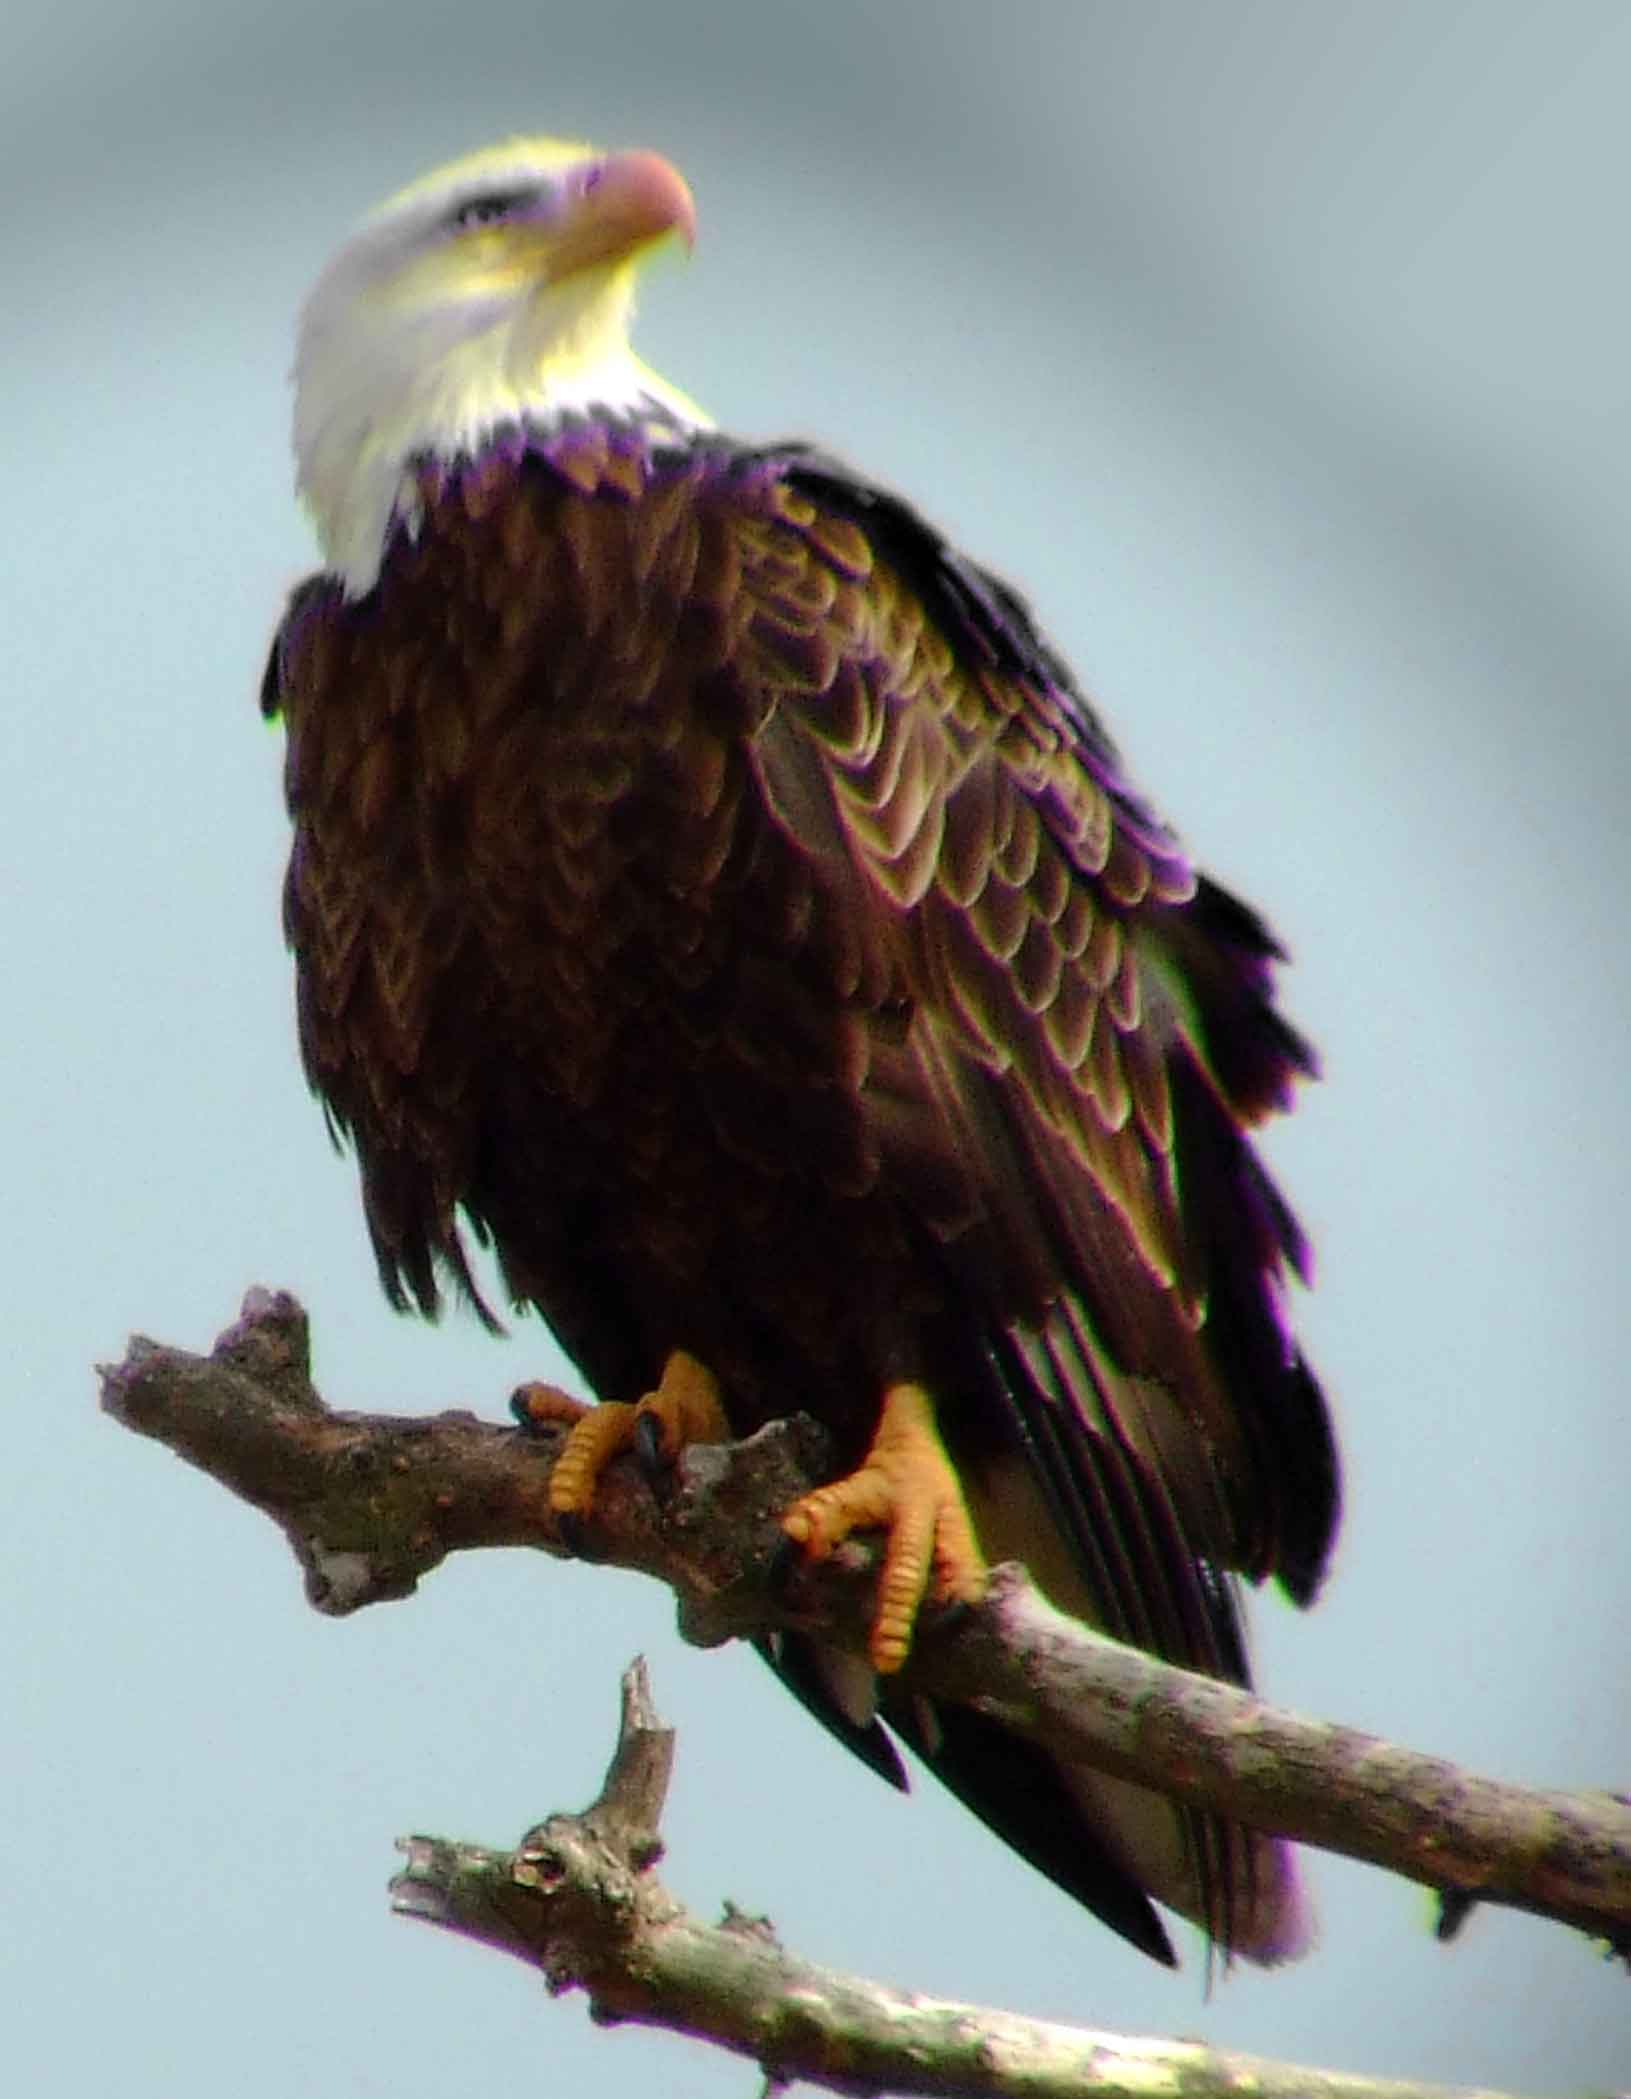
x,y
1279,352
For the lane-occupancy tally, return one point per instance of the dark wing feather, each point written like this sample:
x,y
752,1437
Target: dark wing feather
x,y
1018,1792
386,988
798,1663
1092,1036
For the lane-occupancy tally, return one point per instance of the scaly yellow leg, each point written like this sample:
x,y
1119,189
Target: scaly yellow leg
x,y
685,1406
909,1486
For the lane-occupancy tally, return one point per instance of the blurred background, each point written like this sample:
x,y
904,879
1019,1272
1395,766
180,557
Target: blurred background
x,y
1279,352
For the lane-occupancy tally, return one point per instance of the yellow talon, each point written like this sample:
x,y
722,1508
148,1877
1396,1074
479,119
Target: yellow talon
x,y
591,1444
908,1485
686,1406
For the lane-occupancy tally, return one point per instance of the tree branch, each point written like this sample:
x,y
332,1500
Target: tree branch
x,y
372,1503
577,1899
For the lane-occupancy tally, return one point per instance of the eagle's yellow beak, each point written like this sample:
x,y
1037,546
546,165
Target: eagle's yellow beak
x,y
632,200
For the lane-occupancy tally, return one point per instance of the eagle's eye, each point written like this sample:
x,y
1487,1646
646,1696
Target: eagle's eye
x,y
489,208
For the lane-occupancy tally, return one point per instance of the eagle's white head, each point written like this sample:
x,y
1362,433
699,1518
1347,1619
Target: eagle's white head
x,y
495,289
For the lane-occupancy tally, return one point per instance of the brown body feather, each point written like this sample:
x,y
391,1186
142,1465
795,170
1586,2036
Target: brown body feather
x,y
716,891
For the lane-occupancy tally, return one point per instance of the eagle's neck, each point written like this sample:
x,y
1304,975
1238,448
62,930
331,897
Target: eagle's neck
x,y
377,393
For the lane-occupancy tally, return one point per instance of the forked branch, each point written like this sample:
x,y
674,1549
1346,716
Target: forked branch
x,y
578,1899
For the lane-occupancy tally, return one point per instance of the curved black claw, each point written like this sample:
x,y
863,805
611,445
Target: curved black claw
x,y
946,1617
786,1558
522,1414
574,1532
656,1466
1455,1906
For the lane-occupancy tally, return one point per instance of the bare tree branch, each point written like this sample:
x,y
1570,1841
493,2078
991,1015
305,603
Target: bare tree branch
x,y
371,1503
577,1898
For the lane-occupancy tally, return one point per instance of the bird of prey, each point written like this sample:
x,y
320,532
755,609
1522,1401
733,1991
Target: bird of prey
x,y
710,889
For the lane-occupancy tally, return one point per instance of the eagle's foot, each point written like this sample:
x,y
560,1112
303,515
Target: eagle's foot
x,y
685,1408
907,1485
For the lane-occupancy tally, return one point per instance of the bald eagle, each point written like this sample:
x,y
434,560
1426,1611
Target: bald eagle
x,y
710,889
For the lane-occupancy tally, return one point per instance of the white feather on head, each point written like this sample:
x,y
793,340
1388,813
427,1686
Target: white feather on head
x,y
495,290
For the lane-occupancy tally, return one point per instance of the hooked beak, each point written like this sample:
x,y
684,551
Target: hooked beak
x,y
631,201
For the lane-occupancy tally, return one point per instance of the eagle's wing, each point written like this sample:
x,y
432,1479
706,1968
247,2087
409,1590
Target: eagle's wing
x,y
1090,1037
